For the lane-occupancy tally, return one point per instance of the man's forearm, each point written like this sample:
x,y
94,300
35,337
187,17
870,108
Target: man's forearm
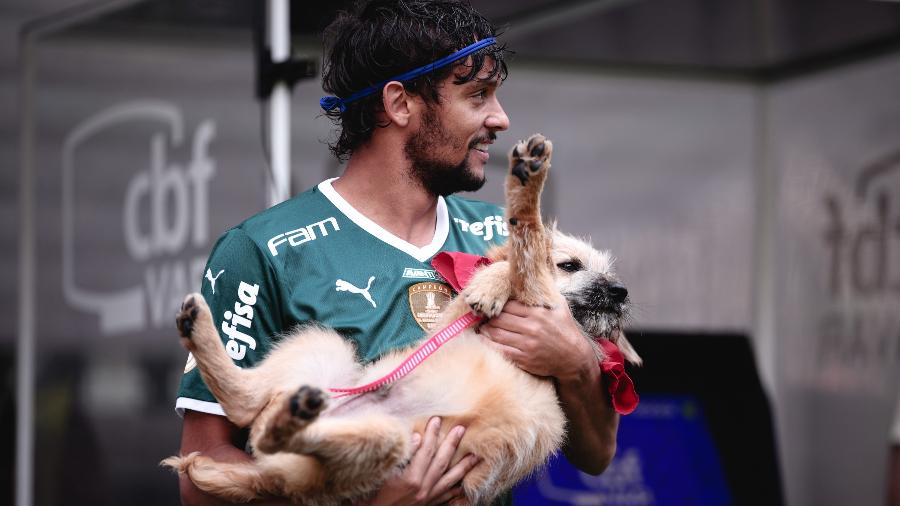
x,y
593,424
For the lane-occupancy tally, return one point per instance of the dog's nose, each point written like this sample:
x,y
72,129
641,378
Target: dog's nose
x,y
617,292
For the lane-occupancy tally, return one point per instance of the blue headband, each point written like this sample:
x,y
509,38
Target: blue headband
x,y
329,102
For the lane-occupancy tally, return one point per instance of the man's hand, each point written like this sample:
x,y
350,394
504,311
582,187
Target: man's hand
x,y
427,479
542,341
549,342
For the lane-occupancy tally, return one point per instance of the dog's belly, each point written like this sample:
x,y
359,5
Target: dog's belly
x,y
465,382
313,356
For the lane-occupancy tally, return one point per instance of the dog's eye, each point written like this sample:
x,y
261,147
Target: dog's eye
x,y
570,266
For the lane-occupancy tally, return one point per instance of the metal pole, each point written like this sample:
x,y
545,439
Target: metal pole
x,y
279,31
27,267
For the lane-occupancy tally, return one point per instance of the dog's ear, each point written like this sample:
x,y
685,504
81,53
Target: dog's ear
x,y
628,350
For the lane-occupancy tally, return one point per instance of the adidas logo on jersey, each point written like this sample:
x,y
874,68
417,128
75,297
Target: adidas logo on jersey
x,y
242,317
491,227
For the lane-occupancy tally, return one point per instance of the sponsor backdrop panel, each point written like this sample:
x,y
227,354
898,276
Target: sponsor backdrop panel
x,y
146,150
660,172
835,147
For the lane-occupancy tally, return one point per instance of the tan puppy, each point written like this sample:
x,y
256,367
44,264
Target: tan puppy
x,y
321,451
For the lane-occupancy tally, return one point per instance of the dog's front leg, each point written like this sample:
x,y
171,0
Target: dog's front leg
x,y
531,269
489,290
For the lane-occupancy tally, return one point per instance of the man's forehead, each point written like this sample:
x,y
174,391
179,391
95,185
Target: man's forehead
x,y
487,74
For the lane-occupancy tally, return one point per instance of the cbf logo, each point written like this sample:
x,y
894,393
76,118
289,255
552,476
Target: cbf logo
x,y
860,326
863,235
165,212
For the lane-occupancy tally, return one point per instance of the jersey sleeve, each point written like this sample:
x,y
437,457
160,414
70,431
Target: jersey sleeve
x,y
241,287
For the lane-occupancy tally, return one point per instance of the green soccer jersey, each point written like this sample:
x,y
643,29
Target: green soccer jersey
x,y
316,258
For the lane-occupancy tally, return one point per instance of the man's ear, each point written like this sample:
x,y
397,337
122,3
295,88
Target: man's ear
x,y
399,105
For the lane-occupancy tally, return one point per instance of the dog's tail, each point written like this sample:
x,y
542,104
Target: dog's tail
x,y
284,474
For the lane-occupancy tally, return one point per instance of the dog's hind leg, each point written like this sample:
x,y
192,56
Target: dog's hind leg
x,y
531,272
358,452
286,415
510,437
281,475
238,391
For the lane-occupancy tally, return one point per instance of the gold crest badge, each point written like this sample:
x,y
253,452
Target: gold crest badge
x,y
427,301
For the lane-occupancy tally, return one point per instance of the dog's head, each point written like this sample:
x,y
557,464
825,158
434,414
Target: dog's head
x,y
598,300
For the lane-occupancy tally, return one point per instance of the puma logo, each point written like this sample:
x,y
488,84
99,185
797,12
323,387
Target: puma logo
x,y
212,280
343,286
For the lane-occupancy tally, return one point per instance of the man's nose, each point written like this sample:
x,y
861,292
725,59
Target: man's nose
x,y
497,120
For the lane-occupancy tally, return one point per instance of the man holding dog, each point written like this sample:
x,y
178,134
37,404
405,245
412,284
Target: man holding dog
x,y
418,110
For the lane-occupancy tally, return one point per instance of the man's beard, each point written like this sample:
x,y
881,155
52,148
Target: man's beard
x,y
440,177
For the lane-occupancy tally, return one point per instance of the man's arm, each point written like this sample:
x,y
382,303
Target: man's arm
x,y
548,342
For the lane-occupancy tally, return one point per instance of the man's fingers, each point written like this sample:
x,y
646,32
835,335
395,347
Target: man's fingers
x,y
510,321
447,496
515,307
425,450
501,335
455,475
511,354
441,460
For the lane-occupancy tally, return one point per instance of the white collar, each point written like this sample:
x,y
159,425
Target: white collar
x,y
441,228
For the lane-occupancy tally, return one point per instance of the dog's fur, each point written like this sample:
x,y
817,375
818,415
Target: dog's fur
x,y
321,451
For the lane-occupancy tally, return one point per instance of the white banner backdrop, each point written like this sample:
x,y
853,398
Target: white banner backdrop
x,y
146,150
835,147
658,171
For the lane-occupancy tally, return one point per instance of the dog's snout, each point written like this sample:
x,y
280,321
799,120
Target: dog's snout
x,y
617,292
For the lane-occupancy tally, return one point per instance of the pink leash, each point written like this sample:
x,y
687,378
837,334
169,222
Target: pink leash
x,y
422,352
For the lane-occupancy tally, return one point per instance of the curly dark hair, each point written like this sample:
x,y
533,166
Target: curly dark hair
x,y
380,39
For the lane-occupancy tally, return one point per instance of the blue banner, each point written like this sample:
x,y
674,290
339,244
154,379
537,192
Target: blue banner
x,y
665,457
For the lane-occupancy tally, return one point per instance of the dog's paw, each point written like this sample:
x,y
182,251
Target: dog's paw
x,y
307,403
485,306
193,311
488,291
530,158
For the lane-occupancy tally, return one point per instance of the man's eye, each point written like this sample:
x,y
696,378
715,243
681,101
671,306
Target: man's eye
x,y
481,94
570,266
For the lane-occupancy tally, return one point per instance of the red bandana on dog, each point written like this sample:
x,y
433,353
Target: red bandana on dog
x,y
457,269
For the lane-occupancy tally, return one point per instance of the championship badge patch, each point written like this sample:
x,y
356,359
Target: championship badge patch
x,y
427,301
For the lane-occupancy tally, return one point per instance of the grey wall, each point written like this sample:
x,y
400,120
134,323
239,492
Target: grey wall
x,y
146,150
835,150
